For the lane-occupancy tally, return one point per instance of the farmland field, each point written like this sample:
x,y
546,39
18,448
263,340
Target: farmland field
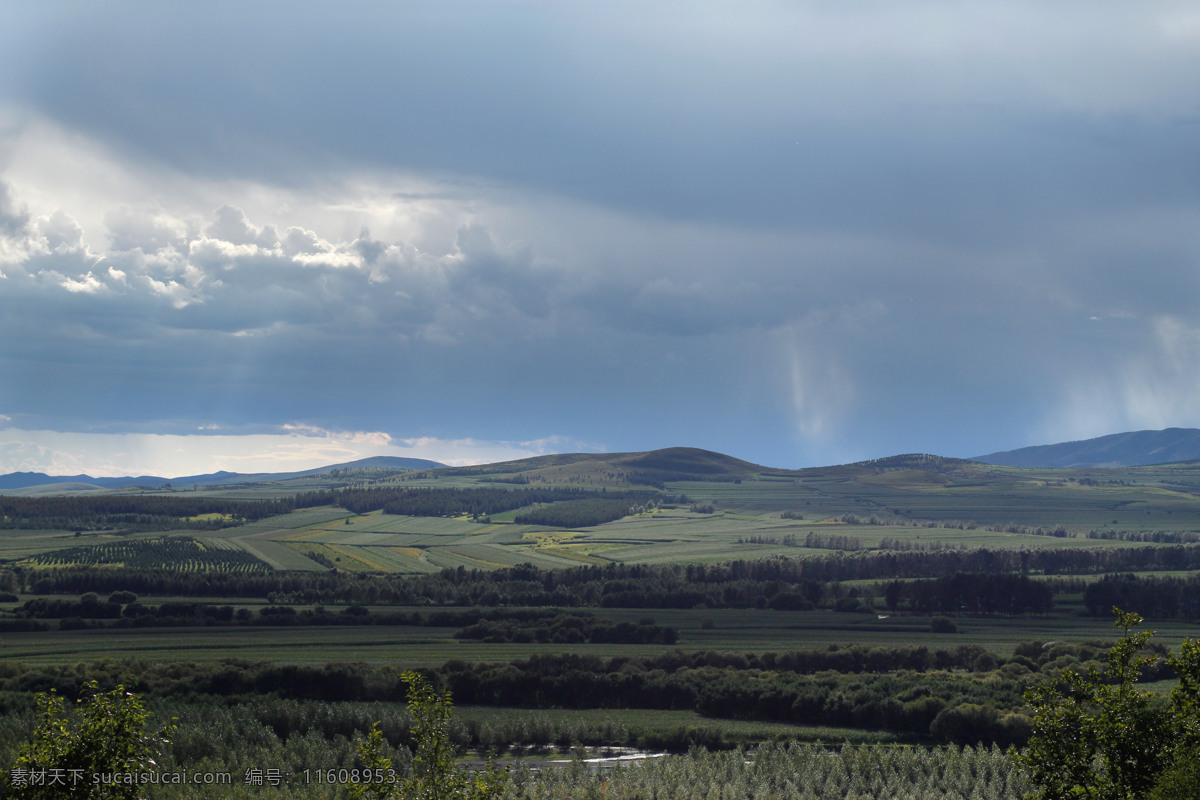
x,y
922,503
689,617
740,630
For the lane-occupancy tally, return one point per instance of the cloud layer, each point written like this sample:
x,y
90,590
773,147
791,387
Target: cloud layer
x,y
799,233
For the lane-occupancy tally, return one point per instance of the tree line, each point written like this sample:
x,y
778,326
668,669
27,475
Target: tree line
x,y
964,694
971,594
579,513
886,694
778,582
452,502
132,512
184,511
569,628
122,610
1153,597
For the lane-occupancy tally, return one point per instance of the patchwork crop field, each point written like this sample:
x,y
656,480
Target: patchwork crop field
x,y
735,514
906,601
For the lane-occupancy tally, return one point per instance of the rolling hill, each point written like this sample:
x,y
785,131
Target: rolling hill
x,y
373,516
646,468
655,467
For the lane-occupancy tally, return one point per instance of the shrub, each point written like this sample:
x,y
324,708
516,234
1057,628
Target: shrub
x,y
1180,781
965,722
1097,735
434,775
105,736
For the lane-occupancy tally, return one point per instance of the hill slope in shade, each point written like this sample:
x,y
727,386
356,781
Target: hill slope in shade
x,y
672,463
375,462
1135,448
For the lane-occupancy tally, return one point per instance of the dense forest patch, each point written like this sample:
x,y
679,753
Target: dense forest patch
x,y
132,512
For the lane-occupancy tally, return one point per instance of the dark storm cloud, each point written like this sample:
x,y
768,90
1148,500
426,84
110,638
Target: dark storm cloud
x,y
778,131
793,231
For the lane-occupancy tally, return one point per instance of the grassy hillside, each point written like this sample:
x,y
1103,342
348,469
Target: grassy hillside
x,y
615,469
730,602
712,507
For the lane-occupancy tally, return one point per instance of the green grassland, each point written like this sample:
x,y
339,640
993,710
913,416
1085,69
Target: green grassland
x,y
906,501
923,501
378,542
917,502
918,513
985,496
713,509
405,646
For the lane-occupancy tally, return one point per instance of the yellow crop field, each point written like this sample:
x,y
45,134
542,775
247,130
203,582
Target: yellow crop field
x,y
411,552
574,554
304,535
354,553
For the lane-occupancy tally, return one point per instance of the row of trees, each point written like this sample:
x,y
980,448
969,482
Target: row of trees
x,y
132,512
474,501
183,511
496,625
1159,536
971,594
1158,597
579,513
242,738
720,685
906,702
782,583
570,629
1091,734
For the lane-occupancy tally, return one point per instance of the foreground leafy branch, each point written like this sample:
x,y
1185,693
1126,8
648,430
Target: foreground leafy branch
x,y
434,774
95,753
1097,736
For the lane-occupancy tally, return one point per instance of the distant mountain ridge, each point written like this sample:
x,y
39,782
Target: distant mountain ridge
x,y
1131,449
24,480
1135,448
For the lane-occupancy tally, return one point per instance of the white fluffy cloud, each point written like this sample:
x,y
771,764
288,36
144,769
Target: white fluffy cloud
x,y
235,273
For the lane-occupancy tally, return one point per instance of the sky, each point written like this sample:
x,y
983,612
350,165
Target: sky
x,y
269,236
